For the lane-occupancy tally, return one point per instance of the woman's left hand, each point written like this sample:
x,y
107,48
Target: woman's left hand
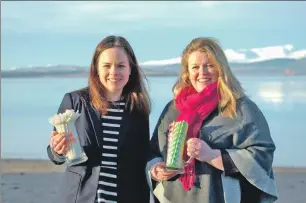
x,y
200,150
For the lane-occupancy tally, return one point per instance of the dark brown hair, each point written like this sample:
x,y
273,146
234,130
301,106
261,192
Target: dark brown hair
x,y
134,91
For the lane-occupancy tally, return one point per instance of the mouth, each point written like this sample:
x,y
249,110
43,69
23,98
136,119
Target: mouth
x,y
204,80
113,79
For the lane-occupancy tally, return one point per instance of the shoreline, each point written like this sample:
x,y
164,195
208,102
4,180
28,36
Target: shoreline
x,y
46,166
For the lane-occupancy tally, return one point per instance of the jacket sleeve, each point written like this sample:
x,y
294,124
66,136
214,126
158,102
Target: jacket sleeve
x,y
145,137
229,167
249,193
144,148
253,151
53,156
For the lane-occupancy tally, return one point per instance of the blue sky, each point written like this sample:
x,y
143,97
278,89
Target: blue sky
x,y
42,33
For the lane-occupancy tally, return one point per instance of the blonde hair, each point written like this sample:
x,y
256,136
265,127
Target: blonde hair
x,y
228,86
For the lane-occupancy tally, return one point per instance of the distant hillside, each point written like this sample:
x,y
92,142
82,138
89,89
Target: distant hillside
x,y
269,67
51,71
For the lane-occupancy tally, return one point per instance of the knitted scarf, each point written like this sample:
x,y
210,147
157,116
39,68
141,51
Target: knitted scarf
x,y
194,107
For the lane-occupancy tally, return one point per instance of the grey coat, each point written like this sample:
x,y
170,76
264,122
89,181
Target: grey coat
x,y
246,139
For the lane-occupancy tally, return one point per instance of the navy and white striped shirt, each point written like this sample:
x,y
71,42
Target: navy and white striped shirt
x,y
111,123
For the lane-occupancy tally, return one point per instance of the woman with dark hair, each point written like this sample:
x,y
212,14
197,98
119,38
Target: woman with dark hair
x,y
113,129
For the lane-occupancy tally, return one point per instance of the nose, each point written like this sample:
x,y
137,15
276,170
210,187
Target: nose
x,y
203,69
113,70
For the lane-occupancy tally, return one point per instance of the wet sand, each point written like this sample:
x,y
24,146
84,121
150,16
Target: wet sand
x,y
34,181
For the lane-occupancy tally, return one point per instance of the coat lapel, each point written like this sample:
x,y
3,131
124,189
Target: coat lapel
x,y
95,119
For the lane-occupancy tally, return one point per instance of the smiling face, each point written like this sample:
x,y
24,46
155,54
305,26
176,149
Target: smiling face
x,y
114,70
201,70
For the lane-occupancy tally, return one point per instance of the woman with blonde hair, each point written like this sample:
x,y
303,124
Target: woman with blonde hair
x,y
228,136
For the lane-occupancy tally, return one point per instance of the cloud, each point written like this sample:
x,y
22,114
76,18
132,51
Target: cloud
x,y
95,16
261,54
272,52
234,55
100,16
265,53
162,62
298,54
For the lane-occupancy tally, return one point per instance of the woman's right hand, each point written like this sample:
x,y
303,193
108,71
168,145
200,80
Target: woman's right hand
x,y
58,142
160,173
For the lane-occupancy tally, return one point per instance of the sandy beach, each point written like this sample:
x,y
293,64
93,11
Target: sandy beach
x,y
35,181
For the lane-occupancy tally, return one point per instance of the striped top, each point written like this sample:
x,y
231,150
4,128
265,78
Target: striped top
x,y
111,124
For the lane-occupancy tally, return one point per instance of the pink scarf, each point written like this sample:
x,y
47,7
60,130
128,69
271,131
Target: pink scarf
x,y
194,107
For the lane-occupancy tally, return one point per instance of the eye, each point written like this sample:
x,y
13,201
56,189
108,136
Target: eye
x,y
121,66
210,66
106,66
194,67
